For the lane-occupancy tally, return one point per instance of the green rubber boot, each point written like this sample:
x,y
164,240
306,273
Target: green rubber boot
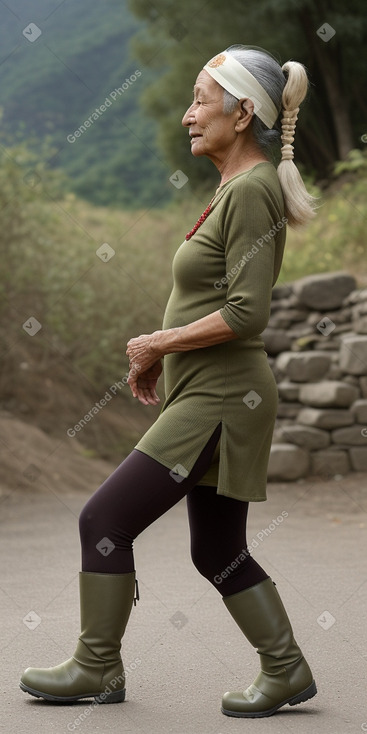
x,y
96,669
285,676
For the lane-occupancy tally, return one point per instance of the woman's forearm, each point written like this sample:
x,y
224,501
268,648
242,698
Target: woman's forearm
x,y
205,332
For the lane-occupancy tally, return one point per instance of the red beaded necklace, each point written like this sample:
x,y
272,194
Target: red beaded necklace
x,y
201,219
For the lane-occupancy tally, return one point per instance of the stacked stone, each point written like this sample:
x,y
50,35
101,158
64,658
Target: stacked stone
x,y
317,346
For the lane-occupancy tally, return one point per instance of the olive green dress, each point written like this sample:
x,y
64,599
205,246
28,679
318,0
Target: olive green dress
x,y
230,264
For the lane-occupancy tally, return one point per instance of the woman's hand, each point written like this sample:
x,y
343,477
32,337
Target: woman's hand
x,y
145,367
143,385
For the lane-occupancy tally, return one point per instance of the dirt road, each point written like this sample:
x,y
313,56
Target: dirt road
x,y
182,649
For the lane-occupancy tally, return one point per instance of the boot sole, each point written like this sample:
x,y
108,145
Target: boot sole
x,y
100,697
293,701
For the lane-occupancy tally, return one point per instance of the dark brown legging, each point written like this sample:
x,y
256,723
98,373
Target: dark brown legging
x,y
139,491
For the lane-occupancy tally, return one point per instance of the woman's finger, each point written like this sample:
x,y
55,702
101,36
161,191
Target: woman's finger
x,y
143,397
147,395
132,382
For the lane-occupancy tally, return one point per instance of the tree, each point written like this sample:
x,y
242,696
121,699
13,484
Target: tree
x,y
325,35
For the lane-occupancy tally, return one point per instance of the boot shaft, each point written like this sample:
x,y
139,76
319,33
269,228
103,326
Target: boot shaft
x,y
261,616
105,605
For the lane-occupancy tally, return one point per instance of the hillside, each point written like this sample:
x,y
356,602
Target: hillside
x,y
51,85
31,459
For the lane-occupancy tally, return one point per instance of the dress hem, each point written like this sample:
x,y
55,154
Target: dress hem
x,y
164,462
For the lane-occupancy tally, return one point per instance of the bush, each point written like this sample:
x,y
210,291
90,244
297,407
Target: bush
x,y
336,238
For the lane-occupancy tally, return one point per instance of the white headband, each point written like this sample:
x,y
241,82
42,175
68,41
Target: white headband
x,y
231,75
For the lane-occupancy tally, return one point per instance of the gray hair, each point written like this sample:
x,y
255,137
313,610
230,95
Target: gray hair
x,y
287,87
269,74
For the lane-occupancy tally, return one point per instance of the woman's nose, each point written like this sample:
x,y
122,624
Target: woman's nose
x,y
189,117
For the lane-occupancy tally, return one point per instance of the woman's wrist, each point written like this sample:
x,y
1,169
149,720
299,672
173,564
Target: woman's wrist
x,y
164,341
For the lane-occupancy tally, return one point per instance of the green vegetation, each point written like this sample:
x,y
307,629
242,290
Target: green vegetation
x,y
87,50
336,238
332,120
88,308
50,87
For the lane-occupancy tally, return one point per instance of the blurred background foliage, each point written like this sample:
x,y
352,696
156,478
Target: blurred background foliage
x,y
59,201
50,87
86,50
190,33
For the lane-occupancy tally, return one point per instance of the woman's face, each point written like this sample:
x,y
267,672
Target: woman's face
x,y
212,132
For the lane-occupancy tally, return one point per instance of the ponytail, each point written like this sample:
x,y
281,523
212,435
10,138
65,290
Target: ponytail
x,y
299,204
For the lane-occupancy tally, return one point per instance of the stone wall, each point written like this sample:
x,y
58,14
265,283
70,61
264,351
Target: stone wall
x,y
317,346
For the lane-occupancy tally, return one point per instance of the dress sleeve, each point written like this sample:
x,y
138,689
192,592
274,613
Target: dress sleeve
x,y
249,227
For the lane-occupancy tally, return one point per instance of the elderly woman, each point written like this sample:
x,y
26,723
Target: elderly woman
x,y
211,441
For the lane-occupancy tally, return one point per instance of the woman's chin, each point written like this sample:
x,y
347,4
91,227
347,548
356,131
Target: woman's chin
x,y
197,150
197,147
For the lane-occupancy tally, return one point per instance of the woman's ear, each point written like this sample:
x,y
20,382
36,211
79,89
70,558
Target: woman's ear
x,y
246,114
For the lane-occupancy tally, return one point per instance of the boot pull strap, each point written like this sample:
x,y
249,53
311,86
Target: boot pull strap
x,y
136,594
